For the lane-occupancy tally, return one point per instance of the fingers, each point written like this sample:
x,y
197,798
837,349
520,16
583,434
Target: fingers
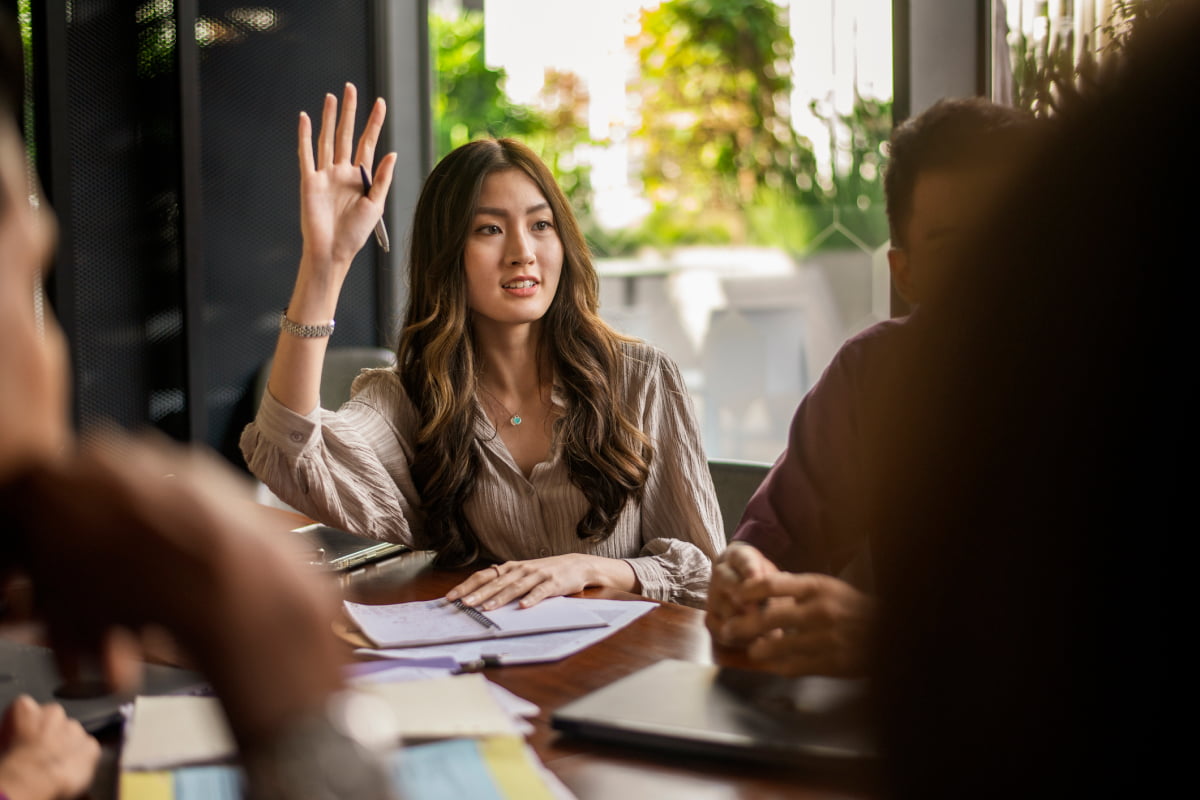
x,y
529,581
344,137
791,655
477,580
122,660
500,587
22,716
304,145
326,136
370,135
747,561
383,179
800,587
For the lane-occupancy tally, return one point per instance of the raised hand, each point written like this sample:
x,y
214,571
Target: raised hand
x,y
336,217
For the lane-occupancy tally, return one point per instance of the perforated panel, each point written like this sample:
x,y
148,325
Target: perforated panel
x,y
253,83
158,225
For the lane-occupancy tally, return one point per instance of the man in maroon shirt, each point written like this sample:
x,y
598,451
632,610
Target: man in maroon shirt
x,y
794,585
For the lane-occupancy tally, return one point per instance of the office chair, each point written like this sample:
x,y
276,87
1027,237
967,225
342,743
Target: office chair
x,y
735,482
341,367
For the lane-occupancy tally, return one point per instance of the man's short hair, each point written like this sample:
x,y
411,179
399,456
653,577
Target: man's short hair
x,y
953,133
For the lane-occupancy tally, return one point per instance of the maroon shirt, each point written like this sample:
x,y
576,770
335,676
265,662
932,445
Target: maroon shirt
x,y
805,515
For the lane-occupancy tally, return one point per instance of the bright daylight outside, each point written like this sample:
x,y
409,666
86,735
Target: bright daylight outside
x,y
725,160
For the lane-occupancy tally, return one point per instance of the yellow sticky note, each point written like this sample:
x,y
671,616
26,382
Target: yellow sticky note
x,y
147,786
517,777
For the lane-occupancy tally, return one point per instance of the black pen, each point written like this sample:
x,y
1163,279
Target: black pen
x,y
380,229
476,614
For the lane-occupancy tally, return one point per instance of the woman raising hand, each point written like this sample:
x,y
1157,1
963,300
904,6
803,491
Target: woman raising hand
x,y
517,427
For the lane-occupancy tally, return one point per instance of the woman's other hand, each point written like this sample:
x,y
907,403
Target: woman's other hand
x,y
534,580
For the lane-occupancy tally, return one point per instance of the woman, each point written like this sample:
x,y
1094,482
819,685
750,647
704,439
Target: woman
x,y
517,426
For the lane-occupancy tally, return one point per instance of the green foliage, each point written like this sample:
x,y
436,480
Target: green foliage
x,y
855,201
720,161
1045,77
716,129
469,103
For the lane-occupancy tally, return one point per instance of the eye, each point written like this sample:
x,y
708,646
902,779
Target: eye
x,y
489,229
543,225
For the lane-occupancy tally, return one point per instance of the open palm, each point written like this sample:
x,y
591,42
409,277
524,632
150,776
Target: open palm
x,y
336,216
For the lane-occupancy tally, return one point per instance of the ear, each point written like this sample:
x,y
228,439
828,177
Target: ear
x,y
902,274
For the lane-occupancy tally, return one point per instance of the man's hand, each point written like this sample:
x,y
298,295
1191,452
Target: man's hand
x,y
804,624
739,563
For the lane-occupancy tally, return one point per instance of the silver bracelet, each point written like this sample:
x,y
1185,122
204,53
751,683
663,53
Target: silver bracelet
x,y
304,331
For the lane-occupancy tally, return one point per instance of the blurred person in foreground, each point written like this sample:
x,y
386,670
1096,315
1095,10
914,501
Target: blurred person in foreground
x,y
795,585
126,534
1030,489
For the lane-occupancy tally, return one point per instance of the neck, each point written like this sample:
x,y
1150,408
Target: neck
x,y
509,361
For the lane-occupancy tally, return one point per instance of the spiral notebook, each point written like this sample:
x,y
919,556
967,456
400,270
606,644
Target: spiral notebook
x,y
430,622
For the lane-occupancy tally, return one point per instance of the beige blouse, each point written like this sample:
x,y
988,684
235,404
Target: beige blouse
x,y
350,468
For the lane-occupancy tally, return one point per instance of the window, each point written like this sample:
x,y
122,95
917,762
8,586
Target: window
x,y
725,159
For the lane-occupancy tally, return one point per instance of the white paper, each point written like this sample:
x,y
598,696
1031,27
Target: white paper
x,y
438,708
538,648
428,622
173,730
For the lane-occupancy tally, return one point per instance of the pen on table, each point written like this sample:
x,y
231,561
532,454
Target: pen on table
x,y
480,664
381,235
476,614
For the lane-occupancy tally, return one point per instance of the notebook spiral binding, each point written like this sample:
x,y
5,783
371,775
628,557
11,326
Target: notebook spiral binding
x,y
476,614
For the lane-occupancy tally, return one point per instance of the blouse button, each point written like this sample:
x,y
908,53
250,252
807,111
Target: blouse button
x,y
296,436
545,551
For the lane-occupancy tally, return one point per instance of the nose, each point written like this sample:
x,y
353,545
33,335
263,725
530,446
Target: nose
x,y
519,250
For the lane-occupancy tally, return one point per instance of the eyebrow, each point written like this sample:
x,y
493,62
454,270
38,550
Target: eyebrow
x,y
500,212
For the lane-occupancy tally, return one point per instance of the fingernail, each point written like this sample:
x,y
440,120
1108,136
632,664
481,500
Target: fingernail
x,y
469,599
490,604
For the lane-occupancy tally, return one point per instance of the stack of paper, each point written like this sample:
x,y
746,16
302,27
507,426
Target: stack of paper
x,y
178,748
535,649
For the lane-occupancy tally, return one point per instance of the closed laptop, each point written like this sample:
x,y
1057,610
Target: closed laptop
x,y
699,709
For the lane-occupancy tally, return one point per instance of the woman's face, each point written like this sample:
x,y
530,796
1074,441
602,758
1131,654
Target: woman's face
x,y
33,363
514,256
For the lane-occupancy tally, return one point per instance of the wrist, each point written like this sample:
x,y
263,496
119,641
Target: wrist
x,y
616,573
315,295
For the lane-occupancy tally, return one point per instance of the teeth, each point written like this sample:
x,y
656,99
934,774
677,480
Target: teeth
x,y
519,284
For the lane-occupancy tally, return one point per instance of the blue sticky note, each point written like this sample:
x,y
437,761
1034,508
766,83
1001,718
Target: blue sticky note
x,y
208,783
449,770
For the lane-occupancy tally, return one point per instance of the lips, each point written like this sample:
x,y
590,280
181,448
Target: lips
x,y
523,283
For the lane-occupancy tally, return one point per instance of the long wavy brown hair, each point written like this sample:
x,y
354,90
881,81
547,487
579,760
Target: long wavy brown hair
x,y
607,456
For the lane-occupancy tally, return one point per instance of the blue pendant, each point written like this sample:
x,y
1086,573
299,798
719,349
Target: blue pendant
x,y
516,419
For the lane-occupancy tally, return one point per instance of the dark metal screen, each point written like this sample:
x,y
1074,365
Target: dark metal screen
x,y
171,161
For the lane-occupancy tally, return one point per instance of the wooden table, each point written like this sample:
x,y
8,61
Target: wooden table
x,y
597,771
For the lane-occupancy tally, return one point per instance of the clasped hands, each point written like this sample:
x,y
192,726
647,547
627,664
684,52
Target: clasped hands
x,y
792,624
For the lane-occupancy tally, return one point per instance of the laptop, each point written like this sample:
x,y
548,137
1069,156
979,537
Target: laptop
x,y
337,550
32,670
704,710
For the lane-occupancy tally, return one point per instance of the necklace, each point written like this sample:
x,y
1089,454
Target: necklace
x,y
515,419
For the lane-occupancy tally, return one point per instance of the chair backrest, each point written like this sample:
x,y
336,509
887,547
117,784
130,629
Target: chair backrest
x,y
735,482
342,365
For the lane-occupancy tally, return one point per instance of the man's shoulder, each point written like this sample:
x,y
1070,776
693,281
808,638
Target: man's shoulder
x,y
881,334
